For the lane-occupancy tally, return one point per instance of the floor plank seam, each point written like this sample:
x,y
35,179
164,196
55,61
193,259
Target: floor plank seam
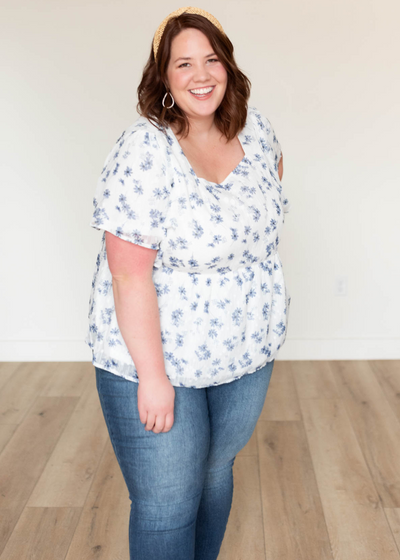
x,y
87,496
316,484
261,498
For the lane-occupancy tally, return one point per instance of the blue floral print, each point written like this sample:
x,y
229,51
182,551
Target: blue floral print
x,y
219,280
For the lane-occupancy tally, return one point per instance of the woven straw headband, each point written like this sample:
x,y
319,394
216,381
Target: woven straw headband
x,y
188,10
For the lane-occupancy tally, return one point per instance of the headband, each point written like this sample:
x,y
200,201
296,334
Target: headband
x,y
188,10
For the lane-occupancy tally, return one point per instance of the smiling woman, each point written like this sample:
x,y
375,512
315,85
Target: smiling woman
x,y
189,306
193,52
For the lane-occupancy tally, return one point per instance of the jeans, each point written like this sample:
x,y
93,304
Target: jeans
x,y
180,482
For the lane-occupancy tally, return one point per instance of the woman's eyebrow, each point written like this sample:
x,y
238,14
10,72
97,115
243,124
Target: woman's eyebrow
x,y
189,58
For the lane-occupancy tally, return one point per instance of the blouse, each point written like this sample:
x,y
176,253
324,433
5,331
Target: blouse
x,y
219,280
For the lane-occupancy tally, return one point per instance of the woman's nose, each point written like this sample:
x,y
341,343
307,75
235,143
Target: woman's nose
x,y
201,73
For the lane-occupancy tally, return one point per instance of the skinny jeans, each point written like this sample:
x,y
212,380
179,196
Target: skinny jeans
x,y
180,482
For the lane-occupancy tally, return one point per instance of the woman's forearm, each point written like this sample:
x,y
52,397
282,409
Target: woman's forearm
x,y
138,318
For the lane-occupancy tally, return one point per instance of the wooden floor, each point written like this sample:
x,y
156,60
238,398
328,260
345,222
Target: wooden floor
x,y
318,480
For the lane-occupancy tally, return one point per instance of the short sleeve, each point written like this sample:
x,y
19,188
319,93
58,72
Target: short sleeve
x,y
132,194
271,148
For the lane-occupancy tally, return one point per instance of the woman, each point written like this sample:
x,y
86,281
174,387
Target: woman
x,y
188,306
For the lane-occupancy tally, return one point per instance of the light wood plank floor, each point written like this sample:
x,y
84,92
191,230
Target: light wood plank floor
x,y
318,480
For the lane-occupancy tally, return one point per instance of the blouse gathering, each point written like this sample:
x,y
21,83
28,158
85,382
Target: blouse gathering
x,y
219,280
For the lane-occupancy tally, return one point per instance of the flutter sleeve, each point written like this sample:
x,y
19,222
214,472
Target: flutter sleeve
x,y
271,148
132,198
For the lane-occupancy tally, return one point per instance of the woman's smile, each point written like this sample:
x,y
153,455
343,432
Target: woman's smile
x,y
202,93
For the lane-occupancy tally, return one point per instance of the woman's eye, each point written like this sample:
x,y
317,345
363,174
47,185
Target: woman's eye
x,y
209,60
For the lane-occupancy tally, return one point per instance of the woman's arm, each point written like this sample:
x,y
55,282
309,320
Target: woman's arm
x,y
280,168
136,304
136,308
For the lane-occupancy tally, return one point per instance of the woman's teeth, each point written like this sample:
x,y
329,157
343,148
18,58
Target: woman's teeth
x,y
200,92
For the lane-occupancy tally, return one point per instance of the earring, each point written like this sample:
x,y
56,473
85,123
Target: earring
x,y
173,100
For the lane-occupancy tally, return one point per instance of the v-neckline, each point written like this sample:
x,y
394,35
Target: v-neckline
x,y
202,178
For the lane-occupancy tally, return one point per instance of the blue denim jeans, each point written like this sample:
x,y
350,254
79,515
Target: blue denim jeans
x,y
180,482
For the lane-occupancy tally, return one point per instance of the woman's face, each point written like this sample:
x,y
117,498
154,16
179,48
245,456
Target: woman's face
x,y
201,69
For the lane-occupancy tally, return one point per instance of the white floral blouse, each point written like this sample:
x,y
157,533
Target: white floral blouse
x,y
219,280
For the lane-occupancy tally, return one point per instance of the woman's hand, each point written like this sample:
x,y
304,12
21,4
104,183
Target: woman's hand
x,y
156,397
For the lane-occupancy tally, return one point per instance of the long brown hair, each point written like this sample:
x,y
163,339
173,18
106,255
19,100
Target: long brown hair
x,y
230,116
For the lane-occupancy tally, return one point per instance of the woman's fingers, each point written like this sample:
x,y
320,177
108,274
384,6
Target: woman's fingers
x,y
150,421
143,416
169,420
159,425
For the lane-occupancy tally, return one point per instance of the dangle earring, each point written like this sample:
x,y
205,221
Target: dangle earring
x,y
173,100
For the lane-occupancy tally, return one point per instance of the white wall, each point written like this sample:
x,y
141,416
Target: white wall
x,y
325,72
